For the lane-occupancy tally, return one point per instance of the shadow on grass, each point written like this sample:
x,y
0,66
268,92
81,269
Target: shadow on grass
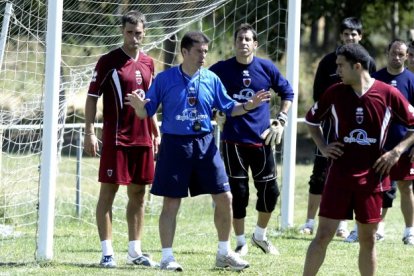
x,y
195,252
309,238
120,267
16,264
67,264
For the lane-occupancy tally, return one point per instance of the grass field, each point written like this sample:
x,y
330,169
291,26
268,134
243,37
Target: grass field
x,y
77,248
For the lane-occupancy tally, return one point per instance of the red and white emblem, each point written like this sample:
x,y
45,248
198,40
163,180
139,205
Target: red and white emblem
x,y
141,93
191,96
246,78
109,172
247,82
138,77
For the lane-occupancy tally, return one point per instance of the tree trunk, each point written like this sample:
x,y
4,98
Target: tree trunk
x,y
327,36
395,30
313,41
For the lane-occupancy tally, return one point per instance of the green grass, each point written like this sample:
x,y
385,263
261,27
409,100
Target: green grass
x,y
77,248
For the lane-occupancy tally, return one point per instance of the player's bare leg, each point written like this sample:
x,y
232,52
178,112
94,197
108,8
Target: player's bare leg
x,y
135,211
168,221
367,260
167,226
317,249
313,205
104,222
104,210
223,215
407,202
407,209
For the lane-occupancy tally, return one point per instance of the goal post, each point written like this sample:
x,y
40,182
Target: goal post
x,y
289,154
5,29
48,166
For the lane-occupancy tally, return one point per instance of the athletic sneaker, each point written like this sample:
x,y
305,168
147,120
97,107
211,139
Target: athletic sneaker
x,y
265,245
141,260
306,229
170,264
342,233
379,237
409,240
352,237
108,262
232,261
242,249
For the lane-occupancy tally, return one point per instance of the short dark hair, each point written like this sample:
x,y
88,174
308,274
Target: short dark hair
x,y
351,23
245,27
355,53
190,38
411,44
398,41
133,17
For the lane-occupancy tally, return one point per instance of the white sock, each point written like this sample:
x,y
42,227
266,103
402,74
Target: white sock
x,y
241,239
134,248
166,253
260,233
107,249
408,231
223,247
310,223
343,224
381,228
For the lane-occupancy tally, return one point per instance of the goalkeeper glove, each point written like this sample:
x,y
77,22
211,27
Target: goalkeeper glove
x,y
273,135
220,119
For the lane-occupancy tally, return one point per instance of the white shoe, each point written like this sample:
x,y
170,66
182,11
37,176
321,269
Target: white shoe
x,y
141,260
242,249
306,229
232,261
352,237
265,245
379,237
171,265
409,240
108,262
342,233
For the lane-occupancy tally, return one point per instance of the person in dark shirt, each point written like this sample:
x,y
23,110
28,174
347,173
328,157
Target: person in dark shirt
x,y
248,140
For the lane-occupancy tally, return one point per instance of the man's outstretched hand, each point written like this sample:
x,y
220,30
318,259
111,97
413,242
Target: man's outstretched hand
x,y
138,102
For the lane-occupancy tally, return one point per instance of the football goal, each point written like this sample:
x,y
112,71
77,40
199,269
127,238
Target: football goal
x,y
90,28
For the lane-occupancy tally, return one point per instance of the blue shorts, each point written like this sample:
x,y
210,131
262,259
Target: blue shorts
x,y
189,163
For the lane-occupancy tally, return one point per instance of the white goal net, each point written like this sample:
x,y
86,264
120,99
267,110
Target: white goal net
x,y
90,29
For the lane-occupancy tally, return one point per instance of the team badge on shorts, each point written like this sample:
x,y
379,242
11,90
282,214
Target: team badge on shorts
x,y
109,172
